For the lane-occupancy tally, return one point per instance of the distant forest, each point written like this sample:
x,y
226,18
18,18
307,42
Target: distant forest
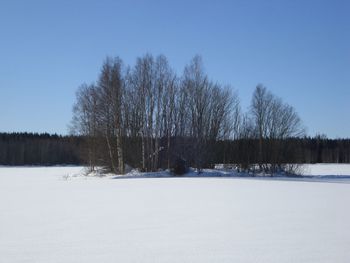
x,y
46,149
39,149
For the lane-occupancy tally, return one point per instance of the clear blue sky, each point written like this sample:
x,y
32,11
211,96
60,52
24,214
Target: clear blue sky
x,y
299,49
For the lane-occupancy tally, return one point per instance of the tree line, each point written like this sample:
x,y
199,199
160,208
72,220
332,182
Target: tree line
x,y
40,149
46,149
149,117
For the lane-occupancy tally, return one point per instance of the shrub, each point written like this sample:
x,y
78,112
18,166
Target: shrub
x,y
180,167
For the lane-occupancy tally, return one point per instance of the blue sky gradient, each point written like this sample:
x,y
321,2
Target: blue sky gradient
x,y
300,50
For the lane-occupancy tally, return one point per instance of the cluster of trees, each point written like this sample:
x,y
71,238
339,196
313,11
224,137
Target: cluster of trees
x,y
39,149
161,116
149,117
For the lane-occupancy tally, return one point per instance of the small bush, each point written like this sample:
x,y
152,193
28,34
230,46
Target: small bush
x,y
180,167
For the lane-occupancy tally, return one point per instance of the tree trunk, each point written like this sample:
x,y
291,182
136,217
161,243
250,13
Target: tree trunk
x,y
143,152
110,153
120,152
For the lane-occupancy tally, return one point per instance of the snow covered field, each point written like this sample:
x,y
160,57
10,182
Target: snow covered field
x,y
327,169
50,215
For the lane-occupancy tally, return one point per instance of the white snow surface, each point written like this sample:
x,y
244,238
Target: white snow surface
x,y
324,169
54,214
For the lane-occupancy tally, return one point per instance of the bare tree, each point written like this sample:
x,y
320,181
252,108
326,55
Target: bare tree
x,y
111,95
85,119
143,82
274,121
260,110
197,86
165,81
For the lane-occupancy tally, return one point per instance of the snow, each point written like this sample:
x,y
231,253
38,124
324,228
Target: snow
x,y
324,169
53,214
